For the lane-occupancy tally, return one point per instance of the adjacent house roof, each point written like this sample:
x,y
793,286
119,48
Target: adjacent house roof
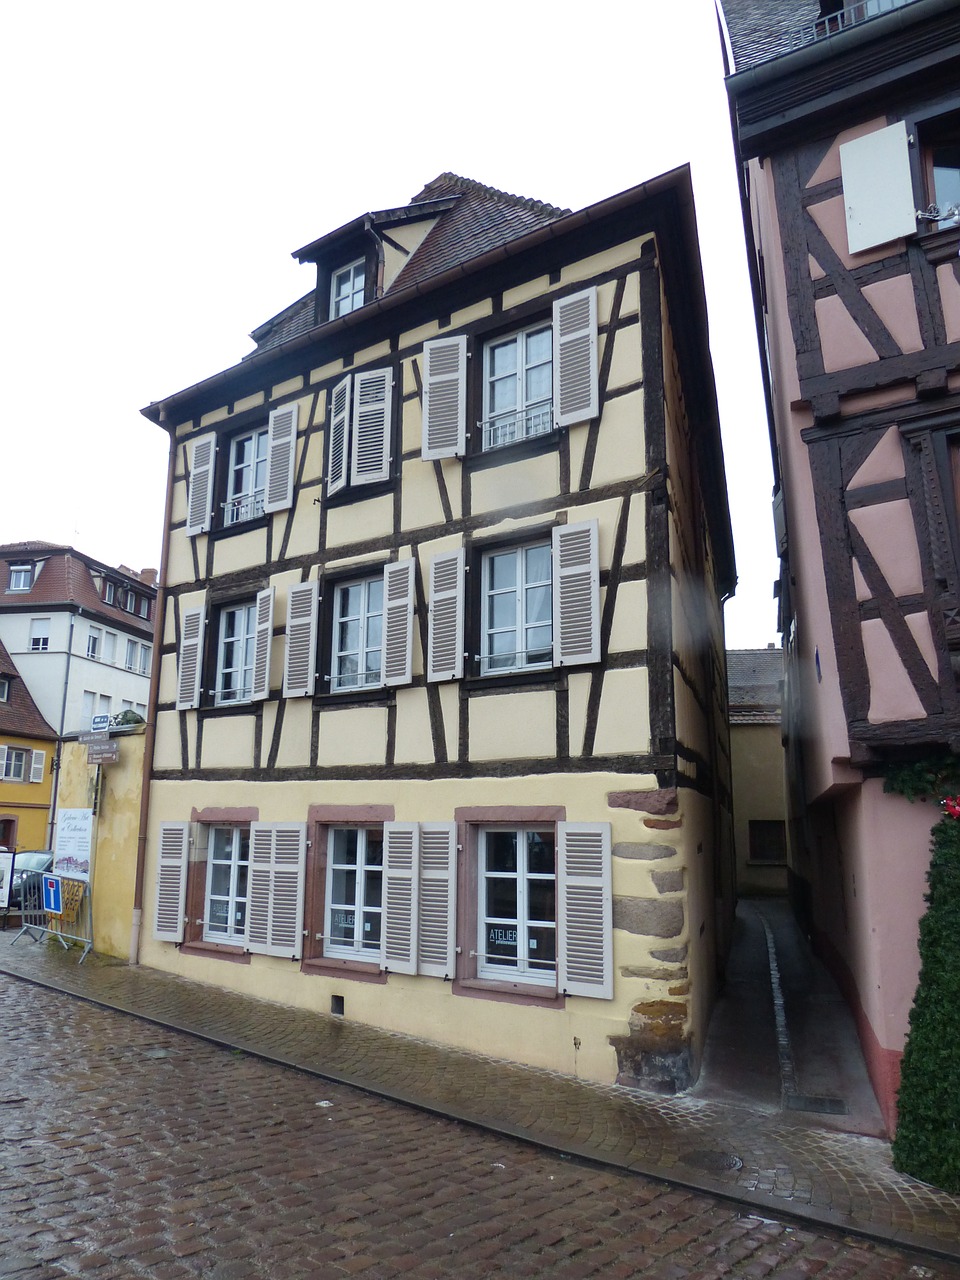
x,y
761,30
64,578
19,715
754,685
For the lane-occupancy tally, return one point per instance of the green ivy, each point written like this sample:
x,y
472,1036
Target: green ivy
x,y
933,776
927,1142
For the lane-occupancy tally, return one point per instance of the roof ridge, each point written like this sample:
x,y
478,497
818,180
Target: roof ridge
x,y
471,186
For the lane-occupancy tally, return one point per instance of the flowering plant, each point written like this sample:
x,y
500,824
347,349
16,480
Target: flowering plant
x,y
952,805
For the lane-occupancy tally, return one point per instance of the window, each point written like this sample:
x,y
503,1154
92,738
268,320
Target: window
x,y
246,478
354,897
144,607
517,628
88,708
104,704
109,592
517,387
517,926
941,163
228,864
21,577
131,659
4,689
141,709
130,601
235,653
768,841
39,635
144,659
93,643
110,647
13,764
358,635
346,289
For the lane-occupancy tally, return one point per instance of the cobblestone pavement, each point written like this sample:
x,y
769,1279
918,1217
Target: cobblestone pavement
x,y
134,1151
774,1164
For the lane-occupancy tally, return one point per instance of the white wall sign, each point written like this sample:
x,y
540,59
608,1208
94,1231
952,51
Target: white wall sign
x,y
71,856
6,875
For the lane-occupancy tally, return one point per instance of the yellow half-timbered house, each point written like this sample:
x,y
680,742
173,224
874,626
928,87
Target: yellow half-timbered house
x,y
440,735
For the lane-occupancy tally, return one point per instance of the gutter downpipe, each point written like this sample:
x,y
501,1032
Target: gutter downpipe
x,y
150,734
63,719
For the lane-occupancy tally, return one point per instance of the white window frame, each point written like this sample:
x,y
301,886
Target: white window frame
x,y
145,655
524,420
246,611
94,641
337,654
109,592
245,495
237,892
14,767
342,302
4,688
21,577
144,608
39,638
521,625
130,661
523,924
108,651
366,869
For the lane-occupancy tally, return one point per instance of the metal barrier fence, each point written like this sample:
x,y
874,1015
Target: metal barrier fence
x,y
73,923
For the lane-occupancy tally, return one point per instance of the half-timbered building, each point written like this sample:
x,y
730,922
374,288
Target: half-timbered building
x,y
440,735
848,120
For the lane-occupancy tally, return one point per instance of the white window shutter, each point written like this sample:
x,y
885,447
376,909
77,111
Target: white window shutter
x,y
203,457
278,852
400,896
3,761
584,909
576,594
877,188
300,667
171,881
281,456
38,763
436,942
576,388
398,622
445,629
190,662
339,431
445,398
262,645
372,401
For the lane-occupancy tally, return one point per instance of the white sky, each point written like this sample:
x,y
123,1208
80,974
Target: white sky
x,y
162,162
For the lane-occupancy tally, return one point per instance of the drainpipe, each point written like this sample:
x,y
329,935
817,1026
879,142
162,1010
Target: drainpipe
x,y
63,719
150,735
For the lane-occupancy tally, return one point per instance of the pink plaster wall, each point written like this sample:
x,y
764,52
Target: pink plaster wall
x,y
888,530
892,695
894,303
884,462
841,339
831,218
950,299
829,166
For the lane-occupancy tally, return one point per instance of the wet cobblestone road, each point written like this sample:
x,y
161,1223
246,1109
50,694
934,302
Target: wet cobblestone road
x,y
130,1151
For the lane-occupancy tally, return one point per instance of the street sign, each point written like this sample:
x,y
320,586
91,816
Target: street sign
x,y
103,752
100,724
53,895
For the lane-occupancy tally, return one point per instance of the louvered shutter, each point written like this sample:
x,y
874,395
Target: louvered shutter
x,y
38,762
576,594
372,400
300,668
262,645
281,455
278,853
203,457
584,909
436,934
3,762
398,622
445,398
445,628
171,881
189,664
339,423
400,841
576,391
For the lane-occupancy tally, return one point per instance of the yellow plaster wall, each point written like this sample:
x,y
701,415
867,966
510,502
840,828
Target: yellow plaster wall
x,y
228,742
515,725
28,802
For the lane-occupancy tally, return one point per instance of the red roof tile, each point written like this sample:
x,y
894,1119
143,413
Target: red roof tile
x,y
65,577
19,714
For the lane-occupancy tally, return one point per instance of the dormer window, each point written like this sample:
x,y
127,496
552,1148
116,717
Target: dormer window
x,y
347,289
4,688
21,577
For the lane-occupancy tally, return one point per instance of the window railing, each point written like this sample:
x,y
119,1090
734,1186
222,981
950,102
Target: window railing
x,y
248,506
522,660
853,14
507,428
241,694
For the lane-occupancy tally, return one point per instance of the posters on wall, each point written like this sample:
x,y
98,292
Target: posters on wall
x,y
6,875
72,849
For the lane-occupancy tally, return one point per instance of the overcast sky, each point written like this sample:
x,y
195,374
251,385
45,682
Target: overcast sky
x,y
163,162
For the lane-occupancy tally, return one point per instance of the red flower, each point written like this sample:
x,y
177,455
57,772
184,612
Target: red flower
x,y
952,805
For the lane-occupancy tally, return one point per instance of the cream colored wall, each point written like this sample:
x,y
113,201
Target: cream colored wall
x,y
758,795
116,827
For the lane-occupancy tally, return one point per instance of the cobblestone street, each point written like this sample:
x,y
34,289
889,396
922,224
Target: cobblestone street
x,y
130,1150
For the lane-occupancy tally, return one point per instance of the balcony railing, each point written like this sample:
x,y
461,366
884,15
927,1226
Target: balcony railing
x,y
507,428
248,506
786,40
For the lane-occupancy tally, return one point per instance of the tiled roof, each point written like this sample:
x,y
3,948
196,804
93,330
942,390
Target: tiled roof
x,y
472,220
65,578
19,714
761,30
754,679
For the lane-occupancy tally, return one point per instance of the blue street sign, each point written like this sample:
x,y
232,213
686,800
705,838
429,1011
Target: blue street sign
x,y
53,895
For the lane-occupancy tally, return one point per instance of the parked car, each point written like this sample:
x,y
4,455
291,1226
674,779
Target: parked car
x,y
28,869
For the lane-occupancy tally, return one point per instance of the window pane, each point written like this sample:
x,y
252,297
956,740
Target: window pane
x,y
373,889
501,851
345,846
539,604
542,948
537,564
344,887
540,853
541,900
350,600
503,358
501,898
501,943
220,879
349,638
342,923
502,611
374,854
375,595
540,346
503,571
539,384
